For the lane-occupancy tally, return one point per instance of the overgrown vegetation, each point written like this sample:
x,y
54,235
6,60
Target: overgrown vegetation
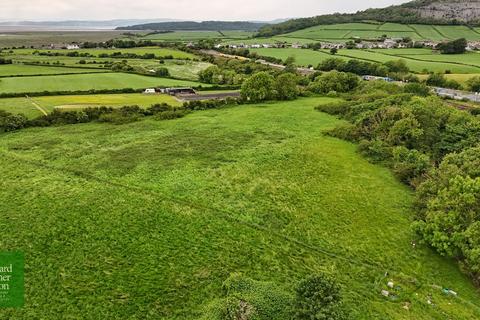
x,y
430,146
314,298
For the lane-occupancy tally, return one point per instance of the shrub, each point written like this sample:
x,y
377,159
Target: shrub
x,y
259,87
409,165
375,150
286,86
170,115
473,84
318,297
12,122
334,81
418,89
248,299
162,72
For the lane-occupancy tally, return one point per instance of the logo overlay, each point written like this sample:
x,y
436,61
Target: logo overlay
x,y
11,279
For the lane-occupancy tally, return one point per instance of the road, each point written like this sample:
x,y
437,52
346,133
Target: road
x,y
457,94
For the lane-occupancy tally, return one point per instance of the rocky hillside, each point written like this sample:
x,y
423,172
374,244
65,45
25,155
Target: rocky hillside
x,y
419,11
462,10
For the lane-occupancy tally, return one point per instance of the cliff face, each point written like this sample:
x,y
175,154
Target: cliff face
x,y
462,10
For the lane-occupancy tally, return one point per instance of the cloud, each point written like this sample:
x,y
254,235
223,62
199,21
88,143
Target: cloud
x,y
178,9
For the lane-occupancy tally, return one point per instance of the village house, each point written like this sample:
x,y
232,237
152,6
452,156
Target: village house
x,y
390,44
72,46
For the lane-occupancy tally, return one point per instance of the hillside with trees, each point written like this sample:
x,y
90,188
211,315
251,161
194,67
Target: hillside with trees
x,y
456,12
197,26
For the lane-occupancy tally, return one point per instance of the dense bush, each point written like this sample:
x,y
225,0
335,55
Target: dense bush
x,y
318,297
286,86
5,61
439,80
473,84
259,87
448,209
334,81
248,299
11,122
418,89
431,146
453,47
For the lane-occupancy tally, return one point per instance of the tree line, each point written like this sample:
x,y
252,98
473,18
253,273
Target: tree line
x,y
430,146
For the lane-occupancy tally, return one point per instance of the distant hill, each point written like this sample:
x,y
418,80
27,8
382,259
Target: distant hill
x,y
420,12
93,24
197,26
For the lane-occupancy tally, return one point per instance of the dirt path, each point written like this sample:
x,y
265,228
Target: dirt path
x,y
37,106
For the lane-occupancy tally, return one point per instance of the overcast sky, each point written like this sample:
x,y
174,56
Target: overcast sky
x,y
178,9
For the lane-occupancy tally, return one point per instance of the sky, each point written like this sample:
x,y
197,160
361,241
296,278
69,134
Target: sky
x,y
14,10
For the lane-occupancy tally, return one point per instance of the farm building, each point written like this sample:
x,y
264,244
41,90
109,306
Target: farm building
x,y
175,91
374,78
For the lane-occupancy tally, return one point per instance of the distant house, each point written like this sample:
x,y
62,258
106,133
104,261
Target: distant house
x,y
296,46
149,91
73,46
389,44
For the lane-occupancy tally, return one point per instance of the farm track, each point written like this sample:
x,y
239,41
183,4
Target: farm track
x,y
37,106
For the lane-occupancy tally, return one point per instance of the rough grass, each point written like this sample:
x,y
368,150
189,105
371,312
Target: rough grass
x,y
85,82
146,220
49,103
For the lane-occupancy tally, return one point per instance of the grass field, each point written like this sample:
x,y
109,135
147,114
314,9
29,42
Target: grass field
x,y
179,67
146,220
161,52
83,82
393,30
49,103
21,69
417,62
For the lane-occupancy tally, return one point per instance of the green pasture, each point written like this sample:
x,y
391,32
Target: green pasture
x,y
84,82
21,69
146,220
467,63
393,30
161,52
179,68
76,102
